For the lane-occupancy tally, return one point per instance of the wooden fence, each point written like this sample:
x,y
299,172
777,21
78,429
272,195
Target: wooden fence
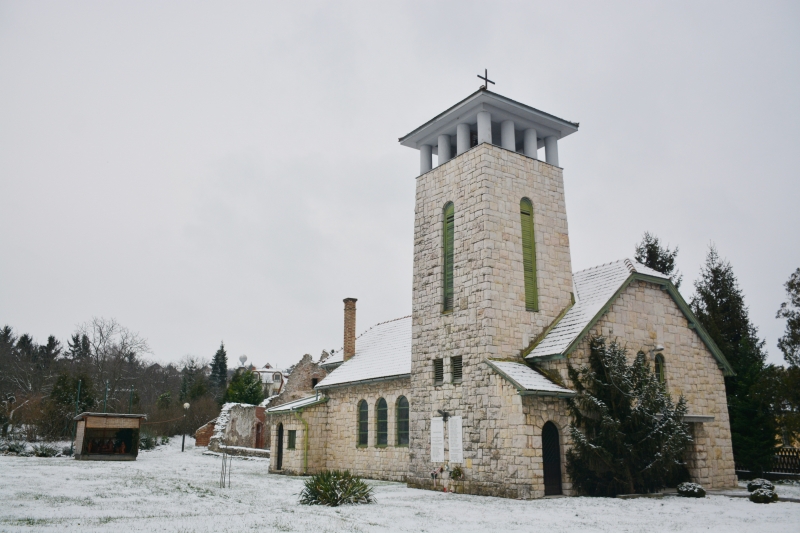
x,y
785,461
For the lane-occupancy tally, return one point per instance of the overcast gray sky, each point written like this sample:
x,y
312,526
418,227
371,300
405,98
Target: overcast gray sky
x,y
230,170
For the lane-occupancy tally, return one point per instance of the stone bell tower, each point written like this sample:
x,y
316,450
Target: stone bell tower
x,y
476,294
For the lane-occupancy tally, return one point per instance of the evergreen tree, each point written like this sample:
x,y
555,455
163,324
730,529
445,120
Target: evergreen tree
x,y
219,372
193,383
789,344
651,254
628,436
719,305
245,387
78,348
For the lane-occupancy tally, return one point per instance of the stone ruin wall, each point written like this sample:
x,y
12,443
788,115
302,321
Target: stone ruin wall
x,y
236,426
643,316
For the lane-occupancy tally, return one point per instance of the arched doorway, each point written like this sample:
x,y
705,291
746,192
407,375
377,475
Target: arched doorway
x,y
551,453
279,458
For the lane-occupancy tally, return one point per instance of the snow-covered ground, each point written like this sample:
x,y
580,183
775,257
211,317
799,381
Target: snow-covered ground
x,y
166,490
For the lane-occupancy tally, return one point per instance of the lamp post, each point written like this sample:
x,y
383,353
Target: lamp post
x,y
185,410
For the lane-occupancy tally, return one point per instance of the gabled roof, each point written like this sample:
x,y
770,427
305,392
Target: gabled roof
x,y
382,352
298,404
596,290
527,380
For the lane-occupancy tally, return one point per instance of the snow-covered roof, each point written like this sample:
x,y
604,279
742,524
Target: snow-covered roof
x,y
297,404
594,287
383,351
528,380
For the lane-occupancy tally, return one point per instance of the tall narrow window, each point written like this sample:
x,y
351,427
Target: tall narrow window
x,y
292,439
456,367
447,237
438,371
402,421
659,368
529,255
382,419
363,423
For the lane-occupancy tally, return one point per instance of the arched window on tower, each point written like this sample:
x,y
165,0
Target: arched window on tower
x,y
660,369
363,423
448,230
529,255
402,421
382,422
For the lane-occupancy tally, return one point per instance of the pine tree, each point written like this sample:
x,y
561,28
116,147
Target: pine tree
x,y
245,387
193,383
789,344
219,372
651,254
719,305
628,436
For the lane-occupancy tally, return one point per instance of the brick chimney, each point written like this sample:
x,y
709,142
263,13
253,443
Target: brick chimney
x,y
349,328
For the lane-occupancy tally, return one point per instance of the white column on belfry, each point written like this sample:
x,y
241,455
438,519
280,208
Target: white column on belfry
x,y
444,149
551,150
462,138
484,127
425,158
507,138
531,144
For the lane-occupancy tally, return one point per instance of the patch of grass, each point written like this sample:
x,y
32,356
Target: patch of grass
x,y
44,450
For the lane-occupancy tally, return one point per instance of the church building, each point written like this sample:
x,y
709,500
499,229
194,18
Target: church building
x,y
475,380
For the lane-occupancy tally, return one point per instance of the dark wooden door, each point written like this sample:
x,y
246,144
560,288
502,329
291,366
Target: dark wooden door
x,y
259,435
279,458
551,452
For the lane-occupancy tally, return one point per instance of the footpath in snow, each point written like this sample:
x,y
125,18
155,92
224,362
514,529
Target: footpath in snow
x,y
166,490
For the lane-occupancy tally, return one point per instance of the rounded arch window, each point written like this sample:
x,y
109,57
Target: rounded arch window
x,y
382,422
448,244
402,421
659,368
363,423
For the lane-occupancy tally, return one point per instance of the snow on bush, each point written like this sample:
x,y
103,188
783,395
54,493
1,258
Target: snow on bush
x,y
763,496
44,450
691,490
759,483
334,488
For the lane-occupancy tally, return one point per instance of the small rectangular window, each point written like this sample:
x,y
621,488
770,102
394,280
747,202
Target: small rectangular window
x,y
438,371
292,439
457,367
314,382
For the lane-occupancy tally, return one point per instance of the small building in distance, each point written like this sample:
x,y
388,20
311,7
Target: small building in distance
x,y
107,436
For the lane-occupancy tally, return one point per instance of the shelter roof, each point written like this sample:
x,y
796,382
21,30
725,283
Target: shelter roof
x,y
527,380
298,404
382,352
82,416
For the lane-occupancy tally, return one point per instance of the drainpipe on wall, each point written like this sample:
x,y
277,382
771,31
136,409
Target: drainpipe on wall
x,y
298,414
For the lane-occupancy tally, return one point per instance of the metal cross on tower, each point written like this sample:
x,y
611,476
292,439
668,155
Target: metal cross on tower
x,y
485,78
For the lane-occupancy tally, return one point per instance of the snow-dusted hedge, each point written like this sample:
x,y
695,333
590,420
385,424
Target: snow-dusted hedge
x,y
691,490
759,483
763,496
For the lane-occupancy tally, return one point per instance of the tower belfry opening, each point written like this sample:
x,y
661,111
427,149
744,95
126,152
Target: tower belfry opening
x,y
487,117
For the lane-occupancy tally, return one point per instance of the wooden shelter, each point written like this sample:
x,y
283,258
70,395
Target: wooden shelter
x,y
107,436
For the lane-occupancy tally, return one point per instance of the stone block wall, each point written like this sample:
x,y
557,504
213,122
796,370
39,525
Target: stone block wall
x,y
294,460
502,437
388,462
643,316
489,319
